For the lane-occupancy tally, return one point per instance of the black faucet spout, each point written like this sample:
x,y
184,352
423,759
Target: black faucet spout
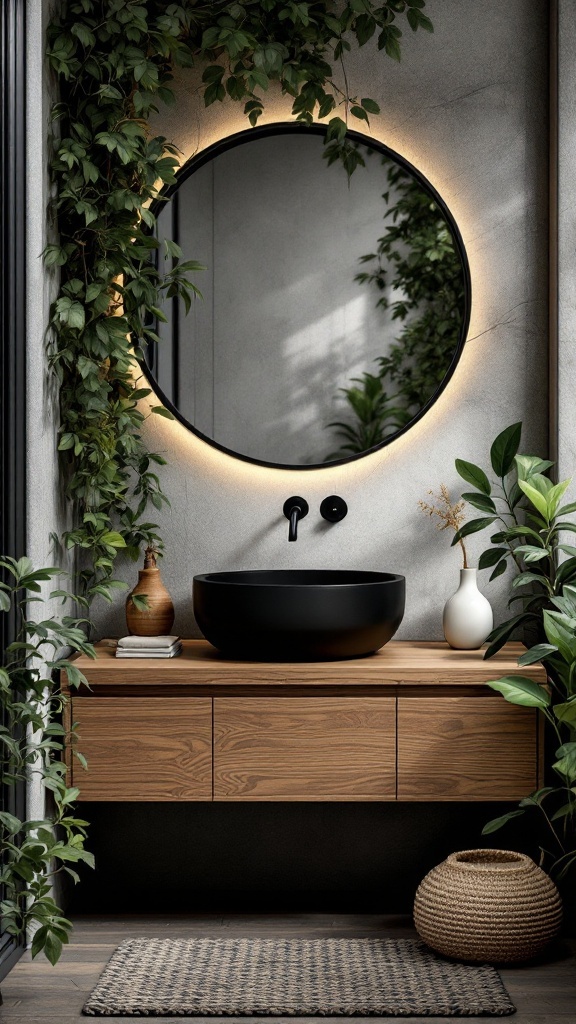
x,y
294,509
294,517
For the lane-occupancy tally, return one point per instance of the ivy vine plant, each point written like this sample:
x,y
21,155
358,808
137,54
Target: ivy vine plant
x,y
114,62
32,741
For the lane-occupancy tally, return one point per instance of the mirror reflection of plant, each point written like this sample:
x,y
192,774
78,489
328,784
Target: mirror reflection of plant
x,y
374,411
32,742
416,257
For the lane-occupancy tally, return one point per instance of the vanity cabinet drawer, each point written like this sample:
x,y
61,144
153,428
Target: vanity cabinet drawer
x,y
304,748
144,749
466,748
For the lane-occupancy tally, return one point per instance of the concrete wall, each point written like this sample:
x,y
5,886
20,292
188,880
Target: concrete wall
x,y
468,106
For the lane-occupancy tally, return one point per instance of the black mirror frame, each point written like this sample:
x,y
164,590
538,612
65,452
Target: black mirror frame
x,y
295,128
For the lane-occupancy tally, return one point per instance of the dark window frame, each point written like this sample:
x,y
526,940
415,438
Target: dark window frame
x,y
12,337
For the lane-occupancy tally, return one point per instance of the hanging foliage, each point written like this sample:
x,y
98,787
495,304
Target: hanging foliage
x,y
114,61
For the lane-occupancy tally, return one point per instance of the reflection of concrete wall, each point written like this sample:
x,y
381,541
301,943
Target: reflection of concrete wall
x,y
282,325
467,105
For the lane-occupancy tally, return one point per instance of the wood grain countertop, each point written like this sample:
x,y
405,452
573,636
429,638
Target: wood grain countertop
x,y
410,666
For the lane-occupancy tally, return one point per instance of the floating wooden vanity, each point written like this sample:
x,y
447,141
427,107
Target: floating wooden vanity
x,y
413,722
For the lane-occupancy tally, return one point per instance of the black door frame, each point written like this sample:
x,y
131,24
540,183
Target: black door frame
x,y
12,335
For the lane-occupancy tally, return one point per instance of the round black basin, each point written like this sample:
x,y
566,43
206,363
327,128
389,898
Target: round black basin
x,y
298,614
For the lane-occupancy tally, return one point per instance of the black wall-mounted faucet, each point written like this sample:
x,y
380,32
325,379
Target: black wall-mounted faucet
x,y
333,508
294,509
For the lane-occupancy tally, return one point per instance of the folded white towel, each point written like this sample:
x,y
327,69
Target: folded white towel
x,y
146,642
149,654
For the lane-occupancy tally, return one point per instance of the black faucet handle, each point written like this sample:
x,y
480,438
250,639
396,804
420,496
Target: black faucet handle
x,y
296,502
333,508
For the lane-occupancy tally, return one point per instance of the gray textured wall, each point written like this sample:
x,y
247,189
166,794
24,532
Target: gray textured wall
x,y
469,107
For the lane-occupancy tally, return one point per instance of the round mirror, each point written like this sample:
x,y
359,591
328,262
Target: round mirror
x,y
333,311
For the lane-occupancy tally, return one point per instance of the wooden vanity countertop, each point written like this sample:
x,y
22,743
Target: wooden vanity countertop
x,y
413,667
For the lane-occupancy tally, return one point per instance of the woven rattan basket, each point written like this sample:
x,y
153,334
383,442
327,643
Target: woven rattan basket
x,y
487,905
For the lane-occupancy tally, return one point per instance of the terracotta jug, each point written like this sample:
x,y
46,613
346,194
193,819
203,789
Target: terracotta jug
x,y
157,618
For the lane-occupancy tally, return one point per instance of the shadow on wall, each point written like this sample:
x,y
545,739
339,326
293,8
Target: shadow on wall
x,y
266,857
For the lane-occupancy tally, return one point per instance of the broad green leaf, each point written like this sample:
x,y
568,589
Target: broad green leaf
x,y
504,449
566,712
537,653
532,553
567,509
559,634
520,690
503,632
555,495
566,763
113,539
491,556
537,798
473,475
526,465
473,526
499,570
535,498
496,823
480,501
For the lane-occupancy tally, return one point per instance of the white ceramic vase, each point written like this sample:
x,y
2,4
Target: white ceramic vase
x,y
468,618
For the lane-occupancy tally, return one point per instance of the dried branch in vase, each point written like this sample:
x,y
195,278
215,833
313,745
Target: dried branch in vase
x,y
450,516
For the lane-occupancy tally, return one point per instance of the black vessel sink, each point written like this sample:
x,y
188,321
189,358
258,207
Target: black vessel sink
x,y
298,614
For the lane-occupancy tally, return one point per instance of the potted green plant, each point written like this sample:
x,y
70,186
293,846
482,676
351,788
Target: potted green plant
x,y
33,740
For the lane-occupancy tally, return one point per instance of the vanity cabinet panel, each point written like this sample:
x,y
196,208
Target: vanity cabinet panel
x,y
465,748
144,748
291,748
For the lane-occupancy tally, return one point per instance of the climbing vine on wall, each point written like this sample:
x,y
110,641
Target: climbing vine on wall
x,y
114,62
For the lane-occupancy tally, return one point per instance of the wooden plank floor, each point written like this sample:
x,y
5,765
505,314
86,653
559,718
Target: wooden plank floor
x,y
36,993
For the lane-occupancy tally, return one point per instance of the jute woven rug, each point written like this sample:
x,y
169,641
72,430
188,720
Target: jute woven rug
x,y
294,978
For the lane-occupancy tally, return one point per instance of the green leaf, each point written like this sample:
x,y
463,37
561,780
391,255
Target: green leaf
x,y
496,823
370,105
520,690
161,411
359,112
503,632
10,823
566,712
473,475
560,635
500,568
472,526
113,539
566,764
480,501
537,653
491,557
527,465
531,553
535,498
504,449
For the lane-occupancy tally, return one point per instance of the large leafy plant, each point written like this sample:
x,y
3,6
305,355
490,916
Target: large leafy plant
x,y
524,508
32,741
556,804
114,62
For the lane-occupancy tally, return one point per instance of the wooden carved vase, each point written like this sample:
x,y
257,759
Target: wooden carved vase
x,y
158,617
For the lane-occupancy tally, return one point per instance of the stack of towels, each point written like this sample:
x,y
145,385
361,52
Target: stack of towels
x,y
148,647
